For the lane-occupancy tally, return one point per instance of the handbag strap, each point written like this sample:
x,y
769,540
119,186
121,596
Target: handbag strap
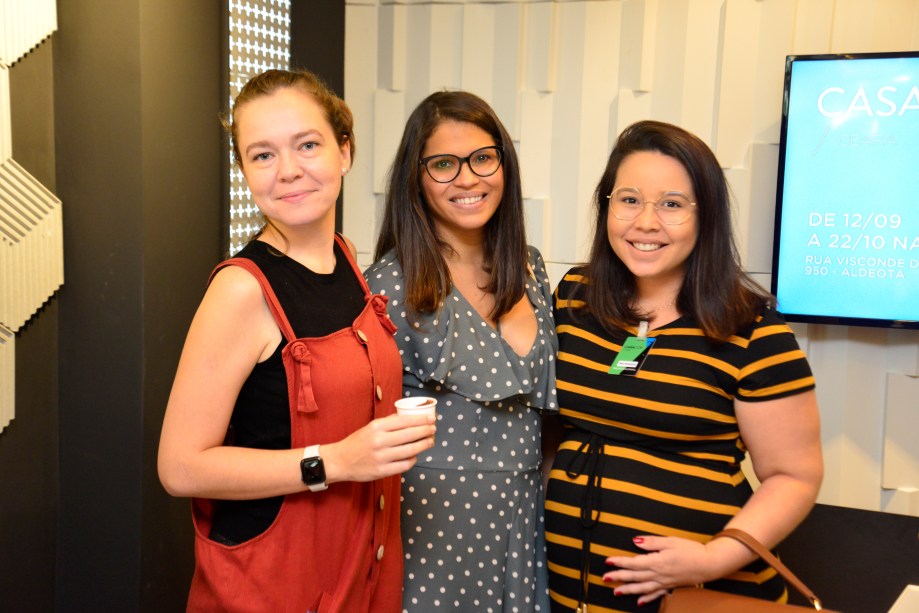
x,y
759,549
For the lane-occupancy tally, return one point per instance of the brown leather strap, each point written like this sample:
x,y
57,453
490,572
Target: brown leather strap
x,y
759,549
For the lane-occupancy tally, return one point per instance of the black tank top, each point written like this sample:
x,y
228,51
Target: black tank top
x,y
316,305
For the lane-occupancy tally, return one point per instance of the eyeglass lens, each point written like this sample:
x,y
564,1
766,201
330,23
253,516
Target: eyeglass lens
x,y
672,208
483,162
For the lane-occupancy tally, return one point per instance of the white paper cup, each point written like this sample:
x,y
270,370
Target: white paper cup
x,y
416,405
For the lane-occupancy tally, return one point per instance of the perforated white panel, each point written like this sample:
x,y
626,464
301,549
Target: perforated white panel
x,y
259,40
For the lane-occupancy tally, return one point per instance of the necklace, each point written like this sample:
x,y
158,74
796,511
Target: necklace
x,y
657,308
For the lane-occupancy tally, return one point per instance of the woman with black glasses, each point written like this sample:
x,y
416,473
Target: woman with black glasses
x,y
473,307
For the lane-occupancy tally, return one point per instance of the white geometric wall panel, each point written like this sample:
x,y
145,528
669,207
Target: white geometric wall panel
x,y
31,235
7,376
31,266
6,138
24,24
566,76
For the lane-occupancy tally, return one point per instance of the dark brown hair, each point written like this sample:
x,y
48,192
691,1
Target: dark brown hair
x,y
716,291
408,227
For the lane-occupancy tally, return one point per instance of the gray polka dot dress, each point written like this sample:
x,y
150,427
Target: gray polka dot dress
x,y
472,507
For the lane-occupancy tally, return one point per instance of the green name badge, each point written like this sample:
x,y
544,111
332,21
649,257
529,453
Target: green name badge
x,y
631,356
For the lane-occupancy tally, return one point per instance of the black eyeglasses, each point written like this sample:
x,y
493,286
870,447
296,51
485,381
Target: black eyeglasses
x,y
483,162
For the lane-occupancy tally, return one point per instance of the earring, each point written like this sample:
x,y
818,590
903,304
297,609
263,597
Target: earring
x,y
344,171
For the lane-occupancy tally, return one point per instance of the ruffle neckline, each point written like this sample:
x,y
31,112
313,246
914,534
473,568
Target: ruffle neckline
x,y
456,348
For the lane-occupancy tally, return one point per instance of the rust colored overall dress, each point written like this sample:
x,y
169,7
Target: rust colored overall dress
x,y
335,551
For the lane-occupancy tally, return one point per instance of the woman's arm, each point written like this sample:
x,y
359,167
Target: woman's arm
x,y
232,331
783,439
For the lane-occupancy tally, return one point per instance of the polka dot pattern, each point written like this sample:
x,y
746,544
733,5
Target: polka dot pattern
x,y
472,506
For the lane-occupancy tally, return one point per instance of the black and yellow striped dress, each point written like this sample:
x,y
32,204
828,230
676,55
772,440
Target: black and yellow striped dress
x,y
657,452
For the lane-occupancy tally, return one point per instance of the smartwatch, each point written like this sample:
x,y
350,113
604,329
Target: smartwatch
x,y
312,470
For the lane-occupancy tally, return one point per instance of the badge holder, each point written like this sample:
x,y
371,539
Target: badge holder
x,y
633,354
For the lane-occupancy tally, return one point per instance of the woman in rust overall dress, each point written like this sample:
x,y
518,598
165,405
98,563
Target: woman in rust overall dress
x,y
286,438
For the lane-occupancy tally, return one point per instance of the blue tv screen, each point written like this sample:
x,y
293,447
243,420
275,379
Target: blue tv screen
x,y
846,247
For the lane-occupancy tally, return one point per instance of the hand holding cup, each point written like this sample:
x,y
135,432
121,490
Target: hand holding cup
x,y
417,405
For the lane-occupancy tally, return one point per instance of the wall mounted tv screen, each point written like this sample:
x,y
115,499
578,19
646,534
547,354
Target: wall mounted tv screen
x,y
846,247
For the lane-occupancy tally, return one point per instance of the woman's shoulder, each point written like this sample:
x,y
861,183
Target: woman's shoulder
x,y
387,260
351,248
767,317
572,282
536,265
235,282
234,302
769,329
533,254
385,275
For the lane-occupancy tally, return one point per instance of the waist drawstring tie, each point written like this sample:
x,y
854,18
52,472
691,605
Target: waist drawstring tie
x,y
589,461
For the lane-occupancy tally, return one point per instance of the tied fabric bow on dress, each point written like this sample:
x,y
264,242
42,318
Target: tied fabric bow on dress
x,y
378,302
297,361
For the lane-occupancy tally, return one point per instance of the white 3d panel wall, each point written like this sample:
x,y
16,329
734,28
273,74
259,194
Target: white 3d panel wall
x,y
31,236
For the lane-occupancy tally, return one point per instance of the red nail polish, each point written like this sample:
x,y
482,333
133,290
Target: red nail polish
x,y
607,580
638,540
617,593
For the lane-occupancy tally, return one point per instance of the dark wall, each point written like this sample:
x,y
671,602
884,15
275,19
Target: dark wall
x,y
29,444
184,202
117,114
138,88
853,560
317,43
317,40
97,95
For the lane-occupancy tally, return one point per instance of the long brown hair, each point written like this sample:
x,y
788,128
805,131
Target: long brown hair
x,y
408,227
716,291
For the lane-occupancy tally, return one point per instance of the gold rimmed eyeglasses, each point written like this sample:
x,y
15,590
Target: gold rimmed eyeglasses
x,y
672,208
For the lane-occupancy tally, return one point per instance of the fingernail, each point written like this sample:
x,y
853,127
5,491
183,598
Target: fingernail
x,y
617,593
608,563
638,540
607,580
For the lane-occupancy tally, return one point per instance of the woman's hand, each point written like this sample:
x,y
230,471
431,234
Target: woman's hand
x,y
384,447
783,439
672,562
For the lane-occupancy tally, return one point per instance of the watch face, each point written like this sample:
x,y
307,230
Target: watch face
x,y
312,471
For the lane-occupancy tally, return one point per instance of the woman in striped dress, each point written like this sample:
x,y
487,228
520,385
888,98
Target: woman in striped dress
x,y
673,364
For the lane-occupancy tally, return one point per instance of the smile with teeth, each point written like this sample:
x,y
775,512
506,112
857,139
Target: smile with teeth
x,y
468,200
647,246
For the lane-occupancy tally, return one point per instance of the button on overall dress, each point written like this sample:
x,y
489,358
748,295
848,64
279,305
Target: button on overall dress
x,y
333,551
